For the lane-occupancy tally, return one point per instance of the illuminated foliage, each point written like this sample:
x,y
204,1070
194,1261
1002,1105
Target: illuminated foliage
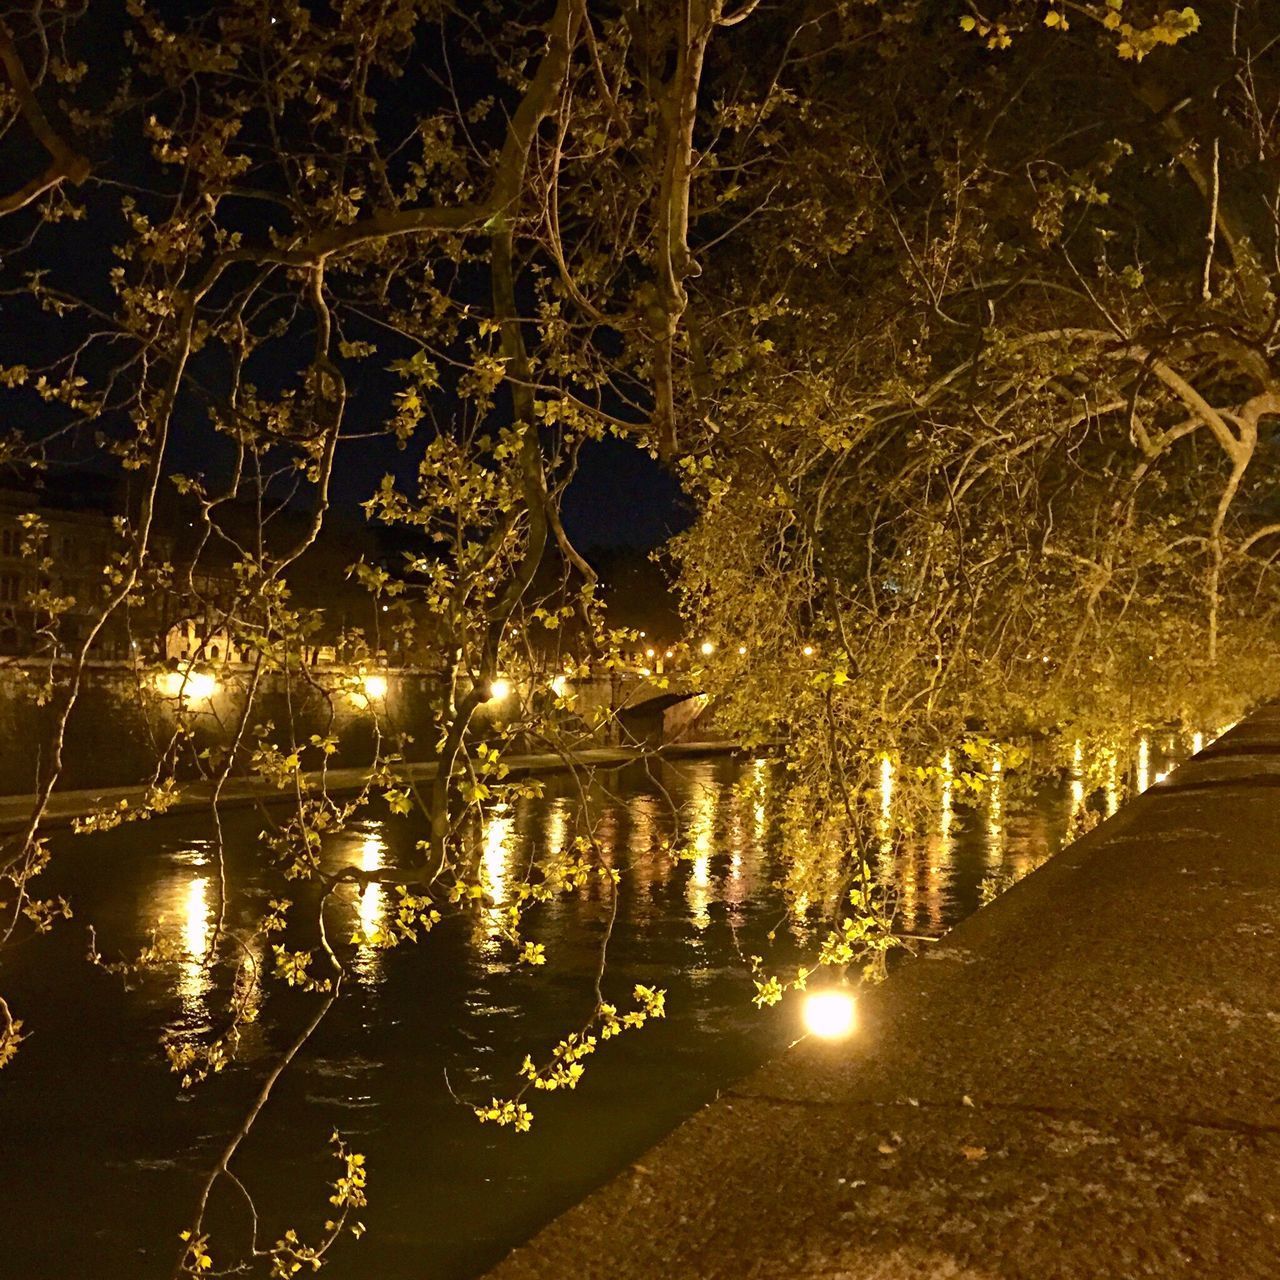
x,y
975,406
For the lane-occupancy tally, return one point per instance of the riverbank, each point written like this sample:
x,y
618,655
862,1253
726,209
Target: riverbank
x,y
1081,1080
66,806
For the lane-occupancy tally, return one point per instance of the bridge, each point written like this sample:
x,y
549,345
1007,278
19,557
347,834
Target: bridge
x,y
646,708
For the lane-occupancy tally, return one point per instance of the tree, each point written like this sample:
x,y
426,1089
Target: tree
x,y
464,229
999,457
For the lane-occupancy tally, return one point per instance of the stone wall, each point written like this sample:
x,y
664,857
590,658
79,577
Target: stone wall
x,y
119,726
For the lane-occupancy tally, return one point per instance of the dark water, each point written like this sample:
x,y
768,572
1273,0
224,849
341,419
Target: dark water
x,y
102,1152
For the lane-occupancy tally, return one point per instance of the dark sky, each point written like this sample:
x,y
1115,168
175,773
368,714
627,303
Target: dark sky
x,y
622,498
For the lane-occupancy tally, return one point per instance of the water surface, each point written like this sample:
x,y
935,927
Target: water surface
x,y
103,1151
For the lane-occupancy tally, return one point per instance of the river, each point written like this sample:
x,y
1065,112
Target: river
x,y
103,1151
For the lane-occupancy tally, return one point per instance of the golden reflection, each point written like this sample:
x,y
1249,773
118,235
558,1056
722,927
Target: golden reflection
x,y
995,811
738,887
1113,780
557,828
946,815
940,850
194,980
371,905
1077,784
908,896
645,867
1077,798
759,789
1144,764
884,827
643,835
494,868
701,841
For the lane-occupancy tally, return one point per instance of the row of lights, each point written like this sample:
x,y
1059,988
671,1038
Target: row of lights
x,y
199,686
375,686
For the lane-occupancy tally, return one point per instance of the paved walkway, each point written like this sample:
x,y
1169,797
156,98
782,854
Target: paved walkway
x,y
1080,1081
65,806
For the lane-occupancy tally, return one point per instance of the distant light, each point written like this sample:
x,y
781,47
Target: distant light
x,y
707,648
384,608
742,651
190,686
374,686
830,1015
807,651
642,635
650,653
499,690
671,653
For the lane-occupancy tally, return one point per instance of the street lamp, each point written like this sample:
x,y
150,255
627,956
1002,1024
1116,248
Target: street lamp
x,y
499,690
707,648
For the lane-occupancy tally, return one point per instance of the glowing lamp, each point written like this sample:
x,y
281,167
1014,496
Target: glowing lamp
x,y
374,686
830,1015
707,648
200,686
807,651
190,686
499,690
742,651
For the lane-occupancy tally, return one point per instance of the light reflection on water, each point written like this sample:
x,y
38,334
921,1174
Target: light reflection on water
x,y
457,1002
699,891
496,865
372,905
194,978
930,877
